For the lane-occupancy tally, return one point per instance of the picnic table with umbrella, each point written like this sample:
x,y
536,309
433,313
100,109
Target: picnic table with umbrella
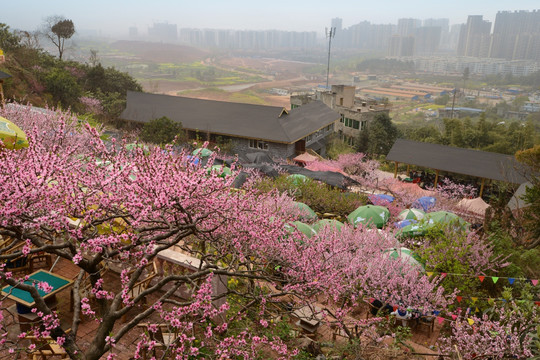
x,y
327,223
425,203
406,222
415,214
369,214
445,217
221,170
305,211
302,227
133,146
380,199
202,152
11,135
415,229
406,255
297,179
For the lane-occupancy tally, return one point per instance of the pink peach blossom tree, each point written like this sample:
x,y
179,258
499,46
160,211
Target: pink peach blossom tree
x,y
95,205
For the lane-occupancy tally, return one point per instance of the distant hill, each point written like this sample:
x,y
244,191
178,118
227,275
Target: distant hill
x,y
160,52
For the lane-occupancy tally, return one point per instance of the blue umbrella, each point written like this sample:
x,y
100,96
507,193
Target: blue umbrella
x,y
380,199
403,223
425,203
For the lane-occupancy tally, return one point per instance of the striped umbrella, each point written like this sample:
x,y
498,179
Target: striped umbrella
x,y
414,214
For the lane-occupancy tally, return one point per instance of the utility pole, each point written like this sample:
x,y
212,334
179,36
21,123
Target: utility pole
x,y
453,103
329,34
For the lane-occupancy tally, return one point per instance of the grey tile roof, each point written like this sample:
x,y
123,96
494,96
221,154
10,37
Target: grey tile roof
x,y
457,160
235,119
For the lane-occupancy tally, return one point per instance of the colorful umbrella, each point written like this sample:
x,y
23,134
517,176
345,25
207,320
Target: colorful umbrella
x,y
302,227
305,211
425,203
415,214
369,214
202,152
380,199
11,135
327,222
407,255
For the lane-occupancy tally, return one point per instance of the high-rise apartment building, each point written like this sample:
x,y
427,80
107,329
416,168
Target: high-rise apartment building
x,y
475,37
516,35
406,27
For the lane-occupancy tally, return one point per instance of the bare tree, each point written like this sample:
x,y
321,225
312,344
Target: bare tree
x,y
29,39
57,29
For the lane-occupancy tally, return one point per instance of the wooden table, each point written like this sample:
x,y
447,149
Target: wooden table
x,y
24,299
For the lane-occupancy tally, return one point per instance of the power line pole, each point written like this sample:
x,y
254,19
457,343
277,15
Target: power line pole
x,y
329,34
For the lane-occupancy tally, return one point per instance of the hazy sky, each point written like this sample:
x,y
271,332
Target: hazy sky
x,y
115,16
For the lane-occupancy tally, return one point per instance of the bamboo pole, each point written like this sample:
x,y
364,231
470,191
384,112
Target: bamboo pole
x,y
395,169
436,178
482,187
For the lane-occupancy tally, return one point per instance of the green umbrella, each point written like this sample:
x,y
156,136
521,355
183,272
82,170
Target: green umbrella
x,y
411,214
297,179
133,146
202,152
369,214
11,135
327,222
302,227
221,170
407,255
305,211
444,217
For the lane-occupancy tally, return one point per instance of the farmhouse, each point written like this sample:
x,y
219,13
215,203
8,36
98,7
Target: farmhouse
x,y
276,130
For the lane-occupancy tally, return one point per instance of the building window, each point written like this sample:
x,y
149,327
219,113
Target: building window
x,y
356,124
258,144
294,106
363,125
342,118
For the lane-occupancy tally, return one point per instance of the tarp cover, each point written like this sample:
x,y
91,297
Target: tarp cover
x,y
305,158
259,158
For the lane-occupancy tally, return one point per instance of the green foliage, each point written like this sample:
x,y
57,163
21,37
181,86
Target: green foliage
x,y
381,135
63,87
442,100
320,197
487,134
162,131
8,40
335,147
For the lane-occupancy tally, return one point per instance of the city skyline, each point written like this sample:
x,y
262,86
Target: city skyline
x,y
115,18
